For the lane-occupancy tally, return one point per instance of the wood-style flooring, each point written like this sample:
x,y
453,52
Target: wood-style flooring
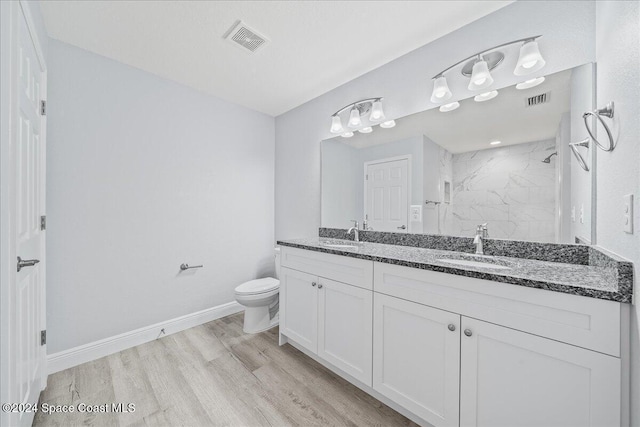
x,y
213,374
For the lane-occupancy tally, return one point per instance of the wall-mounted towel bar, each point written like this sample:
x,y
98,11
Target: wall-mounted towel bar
x,y
186,266
598,114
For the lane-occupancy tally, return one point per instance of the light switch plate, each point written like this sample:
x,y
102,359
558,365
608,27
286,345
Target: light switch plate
x,y
627,218
416,213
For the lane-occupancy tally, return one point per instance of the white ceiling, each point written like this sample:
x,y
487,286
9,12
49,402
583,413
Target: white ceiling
x,y
315,46
474,124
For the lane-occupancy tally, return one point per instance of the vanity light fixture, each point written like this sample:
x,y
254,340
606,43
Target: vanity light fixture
x,y
480,75
441,91
527,84
479,65
530,59
495,143
449,107
354,118
347,135
388,124
485,96
367,129
357,111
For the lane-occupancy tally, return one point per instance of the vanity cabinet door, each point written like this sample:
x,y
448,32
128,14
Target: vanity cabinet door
x,y
512,378
416,358
345,315
299,307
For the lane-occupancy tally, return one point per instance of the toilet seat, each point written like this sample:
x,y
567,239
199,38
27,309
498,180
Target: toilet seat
x,y
258,286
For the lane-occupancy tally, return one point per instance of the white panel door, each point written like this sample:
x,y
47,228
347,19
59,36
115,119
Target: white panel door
x,y
345,316
26,361
299,307
416,358
387,192
510,378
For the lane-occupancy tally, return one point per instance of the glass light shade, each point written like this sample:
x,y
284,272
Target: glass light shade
x,y
449,107
530,83
388,124
485,96
377,114
347,135
480,76
530,59
354,118
336,124
441,90
367,129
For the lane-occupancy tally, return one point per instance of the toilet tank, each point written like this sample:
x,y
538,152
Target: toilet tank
x,y
277,252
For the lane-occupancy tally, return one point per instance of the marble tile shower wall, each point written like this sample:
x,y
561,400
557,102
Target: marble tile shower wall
x,y
510,188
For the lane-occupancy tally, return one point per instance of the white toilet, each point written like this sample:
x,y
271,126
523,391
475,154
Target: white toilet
x,y
260,299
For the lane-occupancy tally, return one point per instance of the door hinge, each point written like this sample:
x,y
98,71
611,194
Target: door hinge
x,y
43,337
43,108
43,222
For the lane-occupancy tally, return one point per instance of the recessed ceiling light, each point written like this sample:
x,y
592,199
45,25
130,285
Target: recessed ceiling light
x,y
485,96
347,135
530,83
367,129
449,107
495,142
388,124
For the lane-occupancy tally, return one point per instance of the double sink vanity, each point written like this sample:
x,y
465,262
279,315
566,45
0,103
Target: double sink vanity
x,y
529,334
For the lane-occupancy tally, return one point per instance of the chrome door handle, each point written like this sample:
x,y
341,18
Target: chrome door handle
x,y
319,285
468,332
452,327
404,227
186,266
26,263
313,283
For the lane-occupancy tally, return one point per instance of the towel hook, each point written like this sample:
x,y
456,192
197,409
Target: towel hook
x,y
598,114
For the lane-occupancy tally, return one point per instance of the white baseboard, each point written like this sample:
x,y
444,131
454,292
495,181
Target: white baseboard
x,y
85,353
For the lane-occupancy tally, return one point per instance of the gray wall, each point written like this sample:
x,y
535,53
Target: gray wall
x,y
143,175
405,83
618,55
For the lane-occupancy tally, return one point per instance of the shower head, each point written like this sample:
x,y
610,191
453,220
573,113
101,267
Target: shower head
x,y
548,159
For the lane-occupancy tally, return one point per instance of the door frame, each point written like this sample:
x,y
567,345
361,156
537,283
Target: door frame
x,y
408,158
11,13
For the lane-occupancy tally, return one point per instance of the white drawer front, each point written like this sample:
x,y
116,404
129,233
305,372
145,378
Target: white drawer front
x,y
582,321
356,272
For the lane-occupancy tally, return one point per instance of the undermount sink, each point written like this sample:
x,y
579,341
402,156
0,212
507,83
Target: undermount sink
x,y
472,263
339,246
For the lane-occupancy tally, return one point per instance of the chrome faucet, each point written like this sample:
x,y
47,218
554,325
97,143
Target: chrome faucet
x,y
356,236
482,233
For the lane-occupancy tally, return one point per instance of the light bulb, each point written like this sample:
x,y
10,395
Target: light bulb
x,y
485,96
347,135
336,124
367,129
354,118
441,90
388,124
480,76
449,107
530,83
377,113
530,59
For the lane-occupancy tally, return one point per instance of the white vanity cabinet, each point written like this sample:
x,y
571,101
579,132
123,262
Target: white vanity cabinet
x,y
512,378
329,318
416,360
449,350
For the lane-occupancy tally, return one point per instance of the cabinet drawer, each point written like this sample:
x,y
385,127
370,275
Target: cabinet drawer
x,y
356,272
581,321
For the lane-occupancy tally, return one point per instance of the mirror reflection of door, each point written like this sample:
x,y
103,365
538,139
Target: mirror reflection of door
x,y
386,194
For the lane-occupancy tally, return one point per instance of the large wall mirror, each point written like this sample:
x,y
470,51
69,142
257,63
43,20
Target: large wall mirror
x,y
505,162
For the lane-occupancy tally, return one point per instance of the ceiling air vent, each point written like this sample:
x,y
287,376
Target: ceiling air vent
x,y
543,98
244,37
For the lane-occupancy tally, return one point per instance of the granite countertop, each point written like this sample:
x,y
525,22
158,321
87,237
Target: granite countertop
x,y
601,280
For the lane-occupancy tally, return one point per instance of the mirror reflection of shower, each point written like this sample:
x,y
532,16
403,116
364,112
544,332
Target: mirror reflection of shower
x,y
548,159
